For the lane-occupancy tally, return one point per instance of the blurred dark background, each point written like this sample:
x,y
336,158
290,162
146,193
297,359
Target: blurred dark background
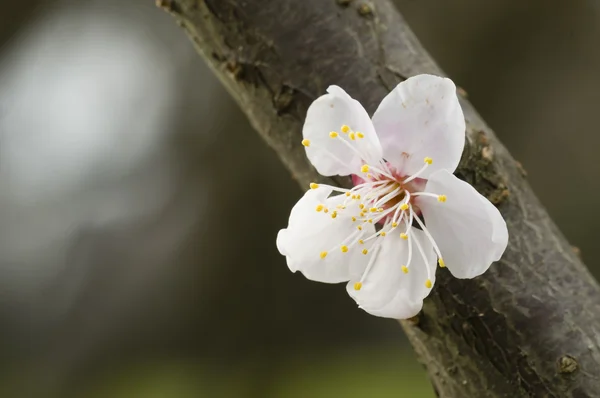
x,y
128,266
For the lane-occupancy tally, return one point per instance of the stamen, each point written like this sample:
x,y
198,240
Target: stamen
x,y
405,269
404,206
357,286
364,251
319,207
344,249
428,161
424,260
440,198
369,184
360,135
382,172
349,145
345,129
306,142
441,262
314,185
403,236
388,197
428,284
364,168
383,214
428,235
371,262
323,254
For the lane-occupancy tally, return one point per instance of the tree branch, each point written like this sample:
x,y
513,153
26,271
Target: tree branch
x,y
530,325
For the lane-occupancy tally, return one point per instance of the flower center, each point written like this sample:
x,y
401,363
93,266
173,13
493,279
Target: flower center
x,y
384,197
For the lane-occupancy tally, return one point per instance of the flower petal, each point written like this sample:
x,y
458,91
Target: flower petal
x,y
310,233
469,230
421,118
388,292
331,156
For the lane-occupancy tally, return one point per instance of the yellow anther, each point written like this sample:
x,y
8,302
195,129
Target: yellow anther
x,y
370,176
364,168
352,136
353,197
320,207
359,227
333,134
357,196
361,206
345,129
380,209
361,242
323,254
394,224
404,236
347,193
306,142
314,185
364,251
344,248
334,214
326,210
441,262
373,209
357,286
382,233
405,269
442,198
370,221
428,284
360,135
404,206
353,219
428,160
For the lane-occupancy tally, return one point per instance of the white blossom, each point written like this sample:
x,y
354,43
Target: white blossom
x,y
406,213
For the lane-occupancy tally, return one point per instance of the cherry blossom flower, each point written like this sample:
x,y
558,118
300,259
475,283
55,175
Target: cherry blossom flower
x,y
405,214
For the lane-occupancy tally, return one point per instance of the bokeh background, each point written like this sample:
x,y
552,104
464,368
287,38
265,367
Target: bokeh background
x,y
130,265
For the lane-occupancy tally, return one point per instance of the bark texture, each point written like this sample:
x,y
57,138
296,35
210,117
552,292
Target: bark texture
x,y
530,326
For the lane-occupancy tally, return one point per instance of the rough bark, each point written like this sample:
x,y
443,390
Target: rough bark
x,y
530,325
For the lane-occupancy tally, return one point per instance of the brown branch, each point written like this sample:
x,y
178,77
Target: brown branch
x,y
530,325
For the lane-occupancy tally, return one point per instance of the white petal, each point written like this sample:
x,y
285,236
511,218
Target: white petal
x,y
331,156
421,118
387,291
310,232
469,230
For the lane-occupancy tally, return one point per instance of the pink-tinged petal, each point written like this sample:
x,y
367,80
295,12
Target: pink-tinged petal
x,y
310,233
468,229
331,156
386,290
421,118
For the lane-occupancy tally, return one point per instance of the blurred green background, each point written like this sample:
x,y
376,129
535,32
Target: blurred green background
x,y
130,265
